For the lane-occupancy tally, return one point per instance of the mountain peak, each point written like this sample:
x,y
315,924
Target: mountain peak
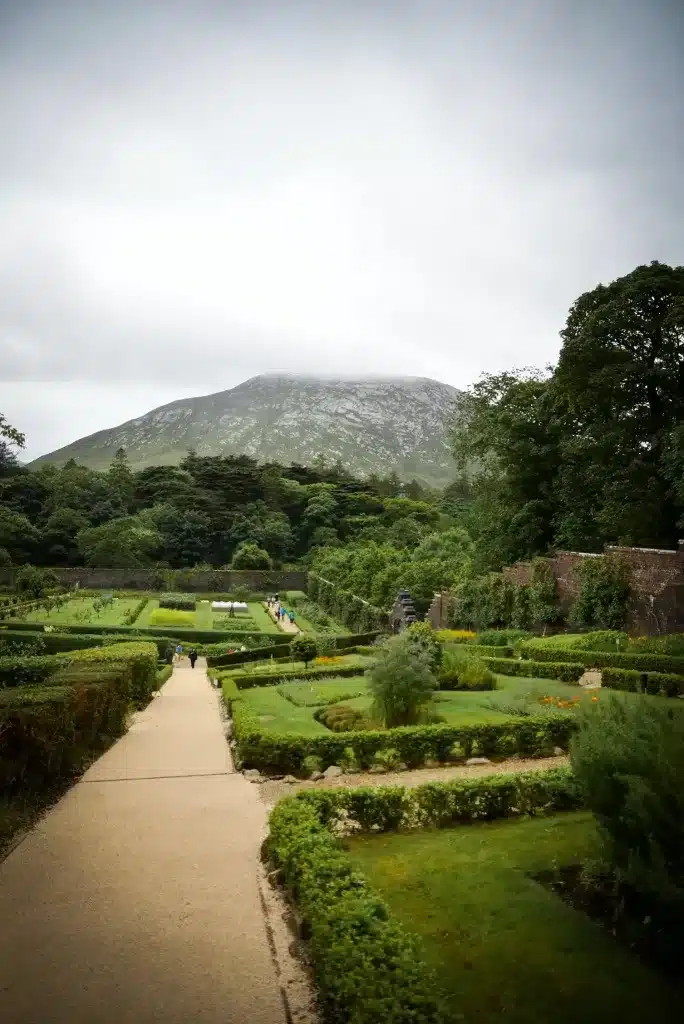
x,y
371,423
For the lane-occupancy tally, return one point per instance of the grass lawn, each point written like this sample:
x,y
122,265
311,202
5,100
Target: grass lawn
x,y
263,620
276,712
79,611
456,707
504,947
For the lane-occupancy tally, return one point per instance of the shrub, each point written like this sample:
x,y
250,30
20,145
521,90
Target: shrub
x,y
603,659
604,592
141,657
179,602
388,758
501,637
250,556
164,673
423,637
35,582
401,680
303,648
627,758
566,672
667,644
287,674
368,970
340,718
657,683
48,732
130,617
601,640
311,764
455,636
460,672
280,754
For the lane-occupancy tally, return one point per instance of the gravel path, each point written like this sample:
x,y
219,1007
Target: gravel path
x,y
273,791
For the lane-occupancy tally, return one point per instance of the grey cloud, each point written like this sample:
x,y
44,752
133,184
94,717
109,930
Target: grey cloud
x,y
193,193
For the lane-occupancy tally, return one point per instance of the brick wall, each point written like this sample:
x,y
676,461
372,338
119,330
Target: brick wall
x,y
656,579
208,581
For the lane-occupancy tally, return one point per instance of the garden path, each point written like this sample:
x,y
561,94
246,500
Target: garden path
x,y
136,899
284,624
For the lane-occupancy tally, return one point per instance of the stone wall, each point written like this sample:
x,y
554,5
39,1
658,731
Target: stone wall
x,y
656,579
195,580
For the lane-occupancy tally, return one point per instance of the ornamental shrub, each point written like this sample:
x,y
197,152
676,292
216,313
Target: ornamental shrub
x,y
458,671
664,684
604,591
303,648
566,672
179,602
401,680
424,638
627,759
249,555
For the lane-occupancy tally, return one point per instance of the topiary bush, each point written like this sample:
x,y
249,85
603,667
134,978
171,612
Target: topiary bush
x,y
179,602
303,648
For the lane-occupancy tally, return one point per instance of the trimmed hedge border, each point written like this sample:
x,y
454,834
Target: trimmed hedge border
x,y
567,672
479,650
664,684
368,969
277,754
39,669
49,732
603,659
247,682
243,657
148,632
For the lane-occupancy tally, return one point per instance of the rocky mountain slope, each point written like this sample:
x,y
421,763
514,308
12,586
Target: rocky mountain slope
x,y
377,425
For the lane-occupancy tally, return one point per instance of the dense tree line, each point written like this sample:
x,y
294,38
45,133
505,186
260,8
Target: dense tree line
x,y
591,451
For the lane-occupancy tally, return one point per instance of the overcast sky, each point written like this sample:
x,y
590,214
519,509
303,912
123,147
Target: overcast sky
x,y
192,193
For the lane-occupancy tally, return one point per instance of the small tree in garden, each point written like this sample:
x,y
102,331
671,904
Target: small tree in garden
x,y
303,648
422,636
401,681
250,556
627,759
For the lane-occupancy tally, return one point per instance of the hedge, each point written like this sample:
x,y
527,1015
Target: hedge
x,y
367,969
242,657
163,675
480,650
49,732
245,682
179,602
664,684
604,659
567,672
149,632
353,611
285,754
142,658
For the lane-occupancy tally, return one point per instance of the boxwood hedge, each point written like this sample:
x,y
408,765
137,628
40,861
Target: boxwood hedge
x,y
276,754
604,659
664,684
368,969
567,672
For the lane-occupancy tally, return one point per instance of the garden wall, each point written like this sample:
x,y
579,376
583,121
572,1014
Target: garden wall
x,y
199,580
656,579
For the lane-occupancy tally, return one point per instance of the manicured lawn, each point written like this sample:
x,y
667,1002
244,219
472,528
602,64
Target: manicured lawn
x,y
504,947
456,707
263,620
79,610
276,712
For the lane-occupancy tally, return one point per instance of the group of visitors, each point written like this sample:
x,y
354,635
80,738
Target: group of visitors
x,y
177,655
279,613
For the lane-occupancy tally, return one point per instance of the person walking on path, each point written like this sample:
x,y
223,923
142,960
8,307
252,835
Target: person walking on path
x,y
179,653
193,657
292,618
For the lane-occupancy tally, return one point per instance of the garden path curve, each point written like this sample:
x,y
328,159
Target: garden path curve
x,y
136,899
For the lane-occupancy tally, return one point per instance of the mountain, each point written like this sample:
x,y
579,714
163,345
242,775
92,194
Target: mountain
x,y
398,423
